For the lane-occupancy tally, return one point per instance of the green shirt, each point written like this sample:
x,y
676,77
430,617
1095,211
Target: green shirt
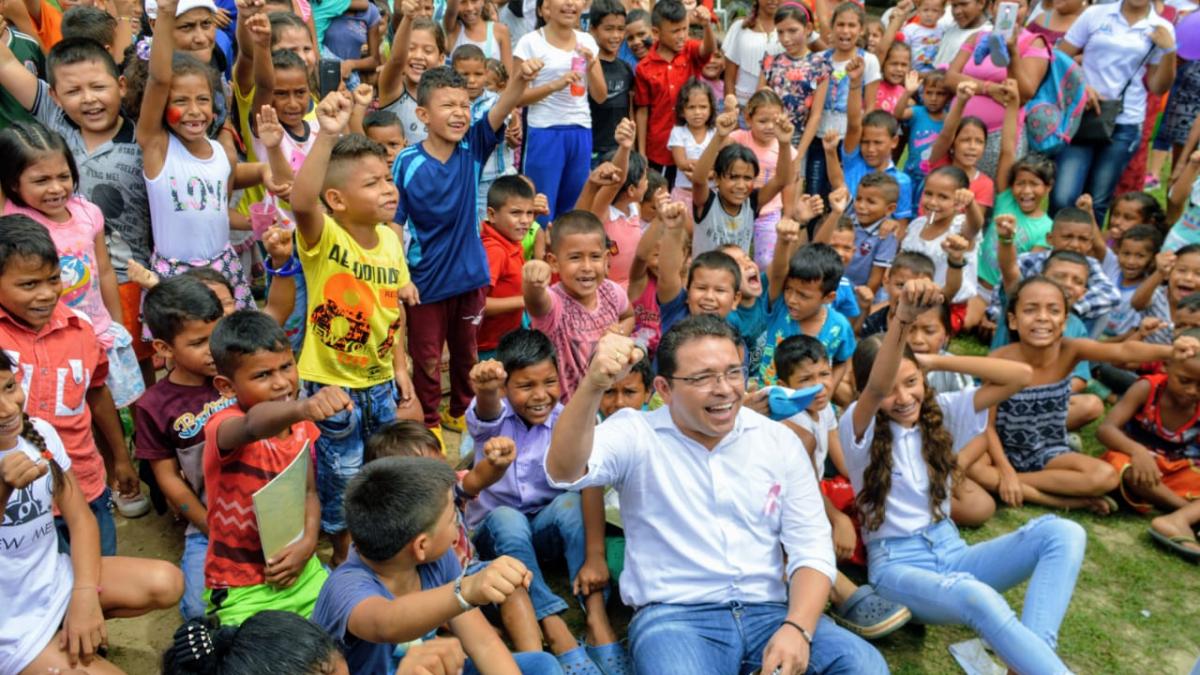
x,y
1031,233
29,52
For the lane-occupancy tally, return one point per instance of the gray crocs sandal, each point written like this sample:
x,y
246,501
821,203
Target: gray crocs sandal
x,y
870,615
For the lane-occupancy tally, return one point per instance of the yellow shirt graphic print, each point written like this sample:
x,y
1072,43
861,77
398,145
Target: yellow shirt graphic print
x,y
354,310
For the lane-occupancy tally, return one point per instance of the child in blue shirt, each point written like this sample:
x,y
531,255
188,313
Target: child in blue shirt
x,y
867,148
438,179
800,290
925,122
875,242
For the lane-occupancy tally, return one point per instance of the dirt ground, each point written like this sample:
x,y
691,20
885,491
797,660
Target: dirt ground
x,y
136,645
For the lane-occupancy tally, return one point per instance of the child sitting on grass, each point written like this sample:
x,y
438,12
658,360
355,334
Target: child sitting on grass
x,y
403,580
520,515
245,447
405,438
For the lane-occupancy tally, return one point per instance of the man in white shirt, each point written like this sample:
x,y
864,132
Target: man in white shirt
x,y
713,498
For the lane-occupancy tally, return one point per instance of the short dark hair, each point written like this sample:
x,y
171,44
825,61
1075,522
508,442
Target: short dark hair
x,y
635,15
349,150
602,9
691,328
402,438
633,172
25,237
382,118
393,500
796,350
244,333
952,172
884,182
654,181
509,187
174,302
1071,214
85,21
817,262
1189,302
716,260
467,52
734,152
916,262
667,11
1036,164
441,77
1145,233
523,348
645,372
78,50
1067,257
286,59
882,119
572,222
1190,249
210,277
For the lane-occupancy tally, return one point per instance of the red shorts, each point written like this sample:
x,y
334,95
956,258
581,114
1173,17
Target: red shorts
x,y
131,313
1181,476
841,495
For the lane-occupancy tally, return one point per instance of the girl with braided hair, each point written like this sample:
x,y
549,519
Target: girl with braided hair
x,y
52,616
899,440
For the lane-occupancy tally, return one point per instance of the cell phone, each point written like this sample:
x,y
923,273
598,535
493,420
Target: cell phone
x,y
1006,19
329,76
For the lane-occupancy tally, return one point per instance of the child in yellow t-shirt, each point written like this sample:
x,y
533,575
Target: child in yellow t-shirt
x,y
354,267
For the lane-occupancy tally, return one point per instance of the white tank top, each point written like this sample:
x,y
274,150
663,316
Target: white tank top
x,y
490,49
189,203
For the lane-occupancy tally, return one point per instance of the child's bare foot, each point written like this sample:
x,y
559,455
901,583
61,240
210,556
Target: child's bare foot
x,y
1178,533
141,276
1102,506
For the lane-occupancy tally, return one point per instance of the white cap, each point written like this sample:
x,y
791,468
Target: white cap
x,y
184,6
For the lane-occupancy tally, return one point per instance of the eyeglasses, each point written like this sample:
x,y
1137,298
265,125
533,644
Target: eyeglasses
x,y
735,376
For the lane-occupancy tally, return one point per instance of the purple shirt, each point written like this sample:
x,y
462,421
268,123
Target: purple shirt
x,y
524,486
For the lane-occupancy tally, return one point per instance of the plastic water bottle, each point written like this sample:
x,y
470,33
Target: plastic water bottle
x,y
579,65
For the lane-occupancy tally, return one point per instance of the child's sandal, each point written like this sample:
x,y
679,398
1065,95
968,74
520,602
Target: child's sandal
x,y
611,659
577,662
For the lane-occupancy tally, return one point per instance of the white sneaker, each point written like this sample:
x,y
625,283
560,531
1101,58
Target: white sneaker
x,y
132,508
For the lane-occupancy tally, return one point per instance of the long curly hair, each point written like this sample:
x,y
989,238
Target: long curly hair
x,y
937,448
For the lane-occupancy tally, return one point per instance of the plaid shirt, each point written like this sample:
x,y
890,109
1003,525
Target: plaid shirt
x,y
1100,298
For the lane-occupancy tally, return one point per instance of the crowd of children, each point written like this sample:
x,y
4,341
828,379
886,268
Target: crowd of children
x,y
355,235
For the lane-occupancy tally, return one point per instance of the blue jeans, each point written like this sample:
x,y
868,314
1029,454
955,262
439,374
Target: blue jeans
x,y
340,447
556,530
195,547
729,638
943,581
1094,169
101,507
529,663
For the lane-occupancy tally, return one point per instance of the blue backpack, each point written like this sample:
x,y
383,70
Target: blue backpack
x,y
1052,115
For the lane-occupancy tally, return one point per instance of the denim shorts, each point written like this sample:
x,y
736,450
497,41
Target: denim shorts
x,y
340,446
101,507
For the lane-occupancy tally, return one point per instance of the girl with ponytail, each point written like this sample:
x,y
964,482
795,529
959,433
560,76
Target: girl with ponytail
x,y
52,616
900,440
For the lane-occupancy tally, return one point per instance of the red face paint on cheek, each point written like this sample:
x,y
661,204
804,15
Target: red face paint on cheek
x,y
174,115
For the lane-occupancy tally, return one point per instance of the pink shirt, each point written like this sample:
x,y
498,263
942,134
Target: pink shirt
x,y
575,330
984,107
625,231
888,95
768,159
76,244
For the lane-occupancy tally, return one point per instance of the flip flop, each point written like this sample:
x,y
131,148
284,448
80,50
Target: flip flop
x,y
1176,544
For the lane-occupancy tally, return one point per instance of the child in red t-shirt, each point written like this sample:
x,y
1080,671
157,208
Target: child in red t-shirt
x,y
245,447
667,67
510,213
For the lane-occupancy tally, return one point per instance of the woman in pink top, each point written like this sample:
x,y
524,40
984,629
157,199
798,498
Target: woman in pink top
x,y
1029,59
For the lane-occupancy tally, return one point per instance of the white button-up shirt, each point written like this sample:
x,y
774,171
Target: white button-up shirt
x,y
706,526
1114,52
906,508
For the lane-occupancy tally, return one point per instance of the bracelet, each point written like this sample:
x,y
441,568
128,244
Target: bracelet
x,y
956,265
1007,241
803,631
290,269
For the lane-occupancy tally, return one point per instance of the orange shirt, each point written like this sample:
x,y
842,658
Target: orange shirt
x,y
49,28
57,366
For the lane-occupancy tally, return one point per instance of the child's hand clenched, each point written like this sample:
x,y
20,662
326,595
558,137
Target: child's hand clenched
x,y
787,231
500,451
496,582
333,112
614,357
625,133
917,297
1185,347
327,402
487,377
536,274
18,470
839,199
1006,228
955,246
963,197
